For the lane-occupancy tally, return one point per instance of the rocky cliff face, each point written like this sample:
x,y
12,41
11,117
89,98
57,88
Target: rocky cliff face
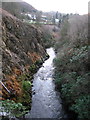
x,y
22,47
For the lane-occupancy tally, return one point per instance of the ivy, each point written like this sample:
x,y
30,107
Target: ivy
x,y
11,109
82,107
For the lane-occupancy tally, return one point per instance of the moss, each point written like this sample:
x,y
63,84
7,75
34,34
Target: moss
x,y
32,68
26,93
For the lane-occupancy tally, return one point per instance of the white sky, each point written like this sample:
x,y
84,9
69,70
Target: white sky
x,y
63,6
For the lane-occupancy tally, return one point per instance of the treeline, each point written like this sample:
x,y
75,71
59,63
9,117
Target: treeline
x,y
72,65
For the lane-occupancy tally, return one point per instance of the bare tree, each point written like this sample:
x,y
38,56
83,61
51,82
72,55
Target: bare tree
x,y
38,16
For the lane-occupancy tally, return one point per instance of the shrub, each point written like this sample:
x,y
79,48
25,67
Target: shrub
x,y
71,65
25,97
26,85
47,37
32,68
26,93
12,109
82,107
24,77
39,62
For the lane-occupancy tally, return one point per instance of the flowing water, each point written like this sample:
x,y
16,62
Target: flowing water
x,y
46,102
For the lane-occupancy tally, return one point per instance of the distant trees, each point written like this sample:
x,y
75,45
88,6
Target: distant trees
x,y
78,31
58,18
53,19
57,14
38,16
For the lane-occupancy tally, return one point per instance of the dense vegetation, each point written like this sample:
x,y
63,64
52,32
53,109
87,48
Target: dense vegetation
x,y
71,72
47,37
71,65
11,109
23,53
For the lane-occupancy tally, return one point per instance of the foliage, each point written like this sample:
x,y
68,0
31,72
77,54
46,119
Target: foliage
x,y
82,107
38,16
32,68
80,53
47,39
12,109
26,96
64,40
24,77
39,62
71,65
26,85
65,27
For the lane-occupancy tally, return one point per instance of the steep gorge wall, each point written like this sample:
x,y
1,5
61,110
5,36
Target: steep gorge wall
x,y
22,46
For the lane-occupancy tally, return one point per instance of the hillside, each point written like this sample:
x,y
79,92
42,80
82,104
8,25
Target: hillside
x,y
16,8
22,53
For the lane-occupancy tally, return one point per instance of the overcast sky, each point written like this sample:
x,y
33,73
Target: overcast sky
x,y
64,6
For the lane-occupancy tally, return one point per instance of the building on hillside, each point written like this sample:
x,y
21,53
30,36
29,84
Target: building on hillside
x,y
43,18
56,21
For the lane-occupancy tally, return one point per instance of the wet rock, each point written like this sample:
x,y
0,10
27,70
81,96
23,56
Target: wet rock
x,y
33,92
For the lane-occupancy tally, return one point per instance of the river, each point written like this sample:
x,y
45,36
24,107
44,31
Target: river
x,y
46,102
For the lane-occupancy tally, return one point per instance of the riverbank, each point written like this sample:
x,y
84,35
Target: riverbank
x,y
71,66
18,109
23,52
